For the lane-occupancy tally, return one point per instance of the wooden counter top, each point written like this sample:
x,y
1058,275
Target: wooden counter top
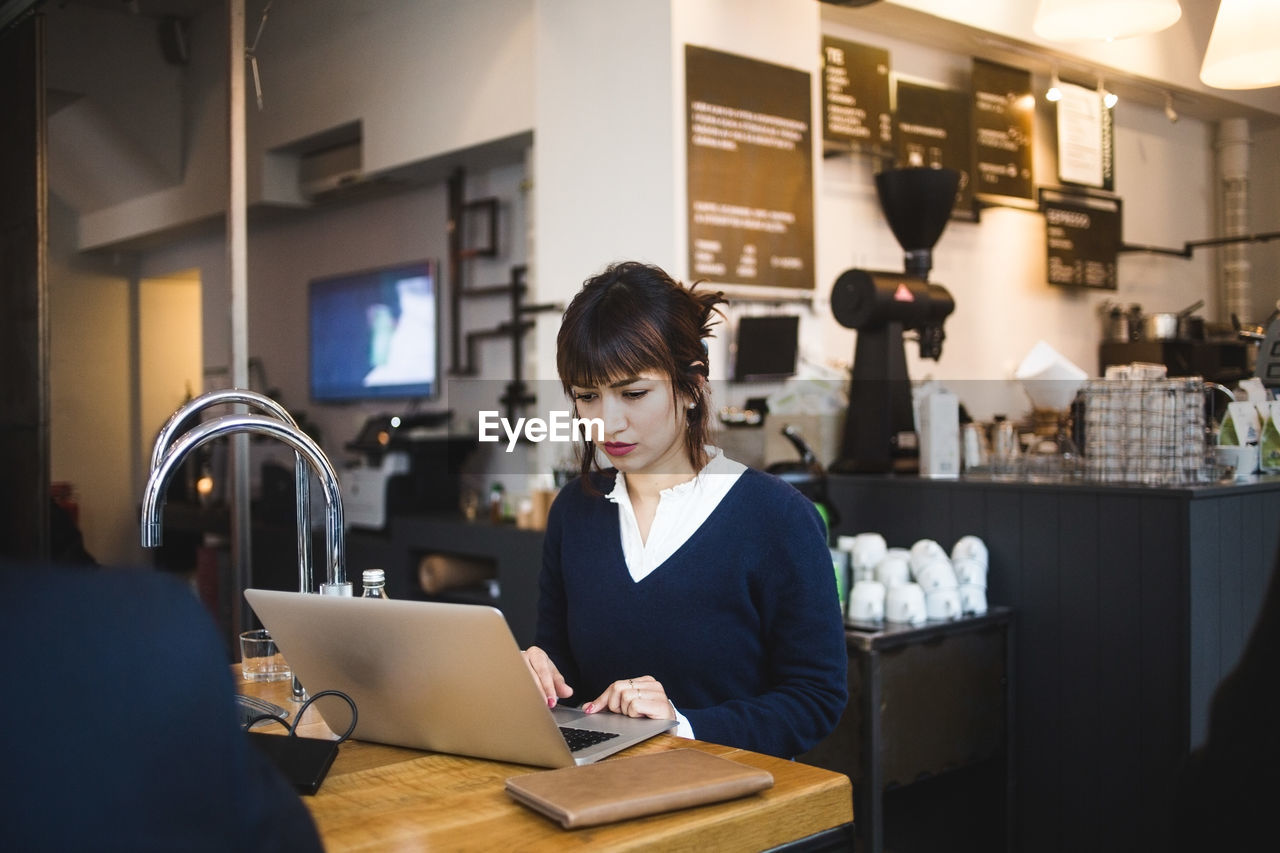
x,y
379,797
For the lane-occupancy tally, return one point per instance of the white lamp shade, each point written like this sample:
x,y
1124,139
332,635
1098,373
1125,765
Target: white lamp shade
x,y
1244,49
1103,20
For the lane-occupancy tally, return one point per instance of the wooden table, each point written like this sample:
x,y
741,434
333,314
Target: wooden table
x,y
379,797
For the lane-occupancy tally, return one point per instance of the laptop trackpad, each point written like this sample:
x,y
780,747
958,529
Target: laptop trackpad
x,y
607,721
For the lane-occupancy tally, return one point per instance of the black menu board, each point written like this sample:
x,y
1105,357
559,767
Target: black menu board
x,y
1082,238
1003,115
750,162
855,96
933,131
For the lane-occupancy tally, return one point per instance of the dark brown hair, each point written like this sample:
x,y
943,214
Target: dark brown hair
x,y
631,318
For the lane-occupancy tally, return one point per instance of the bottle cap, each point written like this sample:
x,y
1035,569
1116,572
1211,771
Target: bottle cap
x,y
374,576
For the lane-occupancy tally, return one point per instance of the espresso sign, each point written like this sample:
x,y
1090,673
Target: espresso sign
x,y
750,171
1082,238
855,96
1003,114
933,132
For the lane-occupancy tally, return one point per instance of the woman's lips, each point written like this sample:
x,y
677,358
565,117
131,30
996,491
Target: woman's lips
x,y
617,448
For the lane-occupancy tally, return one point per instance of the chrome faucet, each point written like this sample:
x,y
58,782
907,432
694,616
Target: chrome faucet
x,y
302,482
153,496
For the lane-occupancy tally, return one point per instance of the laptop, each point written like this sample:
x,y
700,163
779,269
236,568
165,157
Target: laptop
x,y
435,676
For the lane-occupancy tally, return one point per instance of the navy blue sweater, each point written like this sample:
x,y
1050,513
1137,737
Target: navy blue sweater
x,y
741,625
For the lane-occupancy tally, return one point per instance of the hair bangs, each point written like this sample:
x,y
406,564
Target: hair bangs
x,y
612,348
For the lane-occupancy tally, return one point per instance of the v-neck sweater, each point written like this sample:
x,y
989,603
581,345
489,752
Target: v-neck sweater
x,y
741,624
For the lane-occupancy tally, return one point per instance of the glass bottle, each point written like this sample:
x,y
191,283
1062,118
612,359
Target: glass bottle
x,y
374,582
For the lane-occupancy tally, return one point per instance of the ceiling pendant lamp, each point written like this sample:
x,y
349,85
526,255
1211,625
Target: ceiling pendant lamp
x,y
1244,49
1104,20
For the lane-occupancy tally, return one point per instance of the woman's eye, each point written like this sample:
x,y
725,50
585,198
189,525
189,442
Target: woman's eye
x,y
634,395
584,396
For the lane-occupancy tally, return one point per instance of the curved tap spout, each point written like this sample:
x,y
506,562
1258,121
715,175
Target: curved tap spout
x,y
153,495
302,483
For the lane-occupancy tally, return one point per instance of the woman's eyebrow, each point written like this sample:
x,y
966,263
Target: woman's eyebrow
x,y
625,381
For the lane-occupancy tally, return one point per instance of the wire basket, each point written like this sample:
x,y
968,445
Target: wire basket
x,y
1147,431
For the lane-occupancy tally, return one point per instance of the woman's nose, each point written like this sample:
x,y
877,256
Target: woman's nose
x,y
613,415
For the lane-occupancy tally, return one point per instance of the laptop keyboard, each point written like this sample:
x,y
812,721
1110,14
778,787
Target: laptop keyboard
x,y
583,738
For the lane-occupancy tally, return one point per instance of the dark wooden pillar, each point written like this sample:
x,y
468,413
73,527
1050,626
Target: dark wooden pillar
x,y
24,321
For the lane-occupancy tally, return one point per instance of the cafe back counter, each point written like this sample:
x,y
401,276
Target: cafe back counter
x,y
1131,604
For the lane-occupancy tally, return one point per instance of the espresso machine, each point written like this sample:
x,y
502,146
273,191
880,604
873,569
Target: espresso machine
x,y
879,431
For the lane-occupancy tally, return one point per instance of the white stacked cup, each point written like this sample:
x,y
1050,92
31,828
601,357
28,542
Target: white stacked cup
x,y
931,568
894,569
925,551
969,559
866,602
866,597
866,550
905,603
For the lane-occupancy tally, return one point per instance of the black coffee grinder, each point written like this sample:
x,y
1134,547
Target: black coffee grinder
x,y
879,430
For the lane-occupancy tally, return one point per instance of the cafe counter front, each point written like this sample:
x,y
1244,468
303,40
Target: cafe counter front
x,y
1131,604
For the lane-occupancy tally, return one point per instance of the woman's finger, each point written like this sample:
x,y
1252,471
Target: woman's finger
x,y
546,675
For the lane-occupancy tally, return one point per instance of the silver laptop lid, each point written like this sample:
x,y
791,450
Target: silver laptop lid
x,y
427,675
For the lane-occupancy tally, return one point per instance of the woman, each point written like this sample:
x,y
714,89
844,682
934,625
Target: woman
x,y
679,584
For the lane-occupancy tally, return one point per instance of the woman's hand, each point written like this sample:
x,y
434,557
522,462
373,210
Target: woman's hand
x,y
642,696
547,677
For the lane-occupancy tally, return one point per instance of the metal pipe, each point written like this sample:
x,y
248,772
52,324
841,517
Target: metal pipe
x,y
238,280
302,481
1233,171
153,496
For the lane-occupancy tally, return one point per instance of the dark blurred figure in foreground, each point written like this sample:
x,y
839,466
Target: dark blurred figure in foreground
x,y
1229,787
66,544
119,729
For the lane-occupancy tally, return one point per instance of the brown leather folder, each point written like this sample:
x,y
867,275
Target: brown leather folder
x,y
621,788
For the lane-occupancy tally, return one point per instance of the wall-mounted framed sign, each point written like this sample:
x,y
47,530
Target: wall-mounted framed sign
x,y
1082,237
856,113
750,171
933,131
1086,141
1003,117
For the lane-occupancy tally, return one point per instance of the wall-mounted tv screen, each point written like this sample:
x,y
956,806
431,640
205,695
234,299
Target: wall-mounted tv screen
x,y
375,334
766,347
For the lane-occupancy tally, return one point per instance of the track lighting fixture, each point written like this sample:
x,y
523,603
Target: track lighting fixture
x,y
1054,92
1109,99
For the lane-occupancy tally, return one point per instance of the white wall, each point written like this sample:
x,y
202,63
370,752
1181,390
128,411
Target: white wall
x,y
91,427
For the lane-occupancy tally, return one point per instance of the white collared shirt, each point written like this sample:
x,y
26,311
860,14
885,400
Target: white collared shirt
x,y
681,511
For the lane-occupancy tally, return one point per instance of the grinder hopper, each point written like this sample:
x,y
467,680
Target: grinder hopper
x,y
879,432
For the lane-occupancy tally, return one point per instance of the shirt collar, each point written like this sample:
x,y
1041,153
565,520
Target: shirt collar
x,y
717,463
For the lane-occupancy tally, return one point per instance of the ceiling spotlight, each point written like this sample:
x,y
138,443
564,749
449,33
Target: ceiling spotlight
x,y
1054,92
1169,112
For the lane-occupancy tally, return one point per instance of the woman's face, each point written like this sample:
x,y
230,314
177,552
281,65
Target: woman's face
x,y
644,424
